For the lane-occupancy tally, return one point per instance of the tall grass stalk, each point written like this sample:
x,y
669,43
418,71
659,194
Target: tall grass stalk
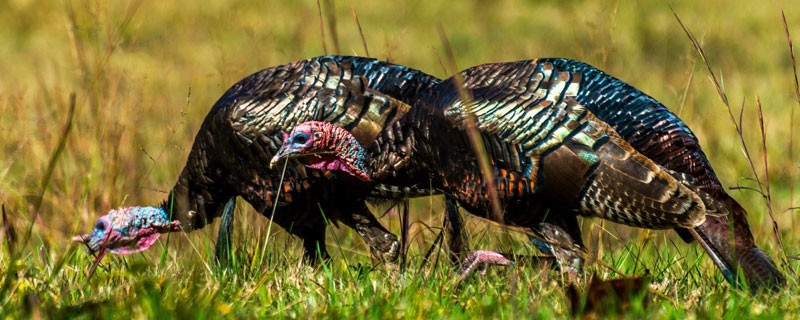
x,y
791,116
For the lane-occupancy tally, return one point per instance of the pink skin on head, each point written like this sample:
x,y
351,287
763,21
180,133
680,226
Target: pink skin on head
x,y
324,146
334,163
144,239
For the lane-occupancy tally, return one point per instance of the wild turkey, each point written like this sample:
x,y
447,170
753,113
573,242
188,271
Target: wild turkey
x,y
554,156
231,155
657,133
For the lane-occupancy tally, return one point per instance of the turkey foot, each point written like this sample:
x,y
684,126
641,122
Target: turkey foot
x,y
482,258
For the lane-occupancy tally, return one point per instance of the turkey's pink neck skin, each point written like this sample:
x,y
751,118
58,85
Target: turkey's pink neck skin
x,y
332,163
146,237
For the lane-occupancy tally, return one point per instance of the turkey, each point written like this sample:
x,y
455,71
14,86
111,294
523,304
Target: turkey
x,y
564,139
231,154
657,133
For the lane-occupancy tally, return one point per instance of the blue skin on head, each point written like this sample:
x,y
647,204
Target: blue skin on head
x,y
128,230
298,143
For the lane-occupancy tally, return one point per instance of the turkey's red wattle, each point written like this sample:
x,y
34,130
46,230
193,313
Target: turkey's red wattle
x,y
334,163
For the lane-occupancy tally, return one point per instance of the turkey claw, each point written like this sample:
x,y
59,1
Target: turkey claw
x,y
483,259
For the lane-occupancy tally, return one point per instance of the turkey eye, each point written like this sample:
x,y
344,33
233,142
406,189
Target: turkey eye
x,y
100,226
300,139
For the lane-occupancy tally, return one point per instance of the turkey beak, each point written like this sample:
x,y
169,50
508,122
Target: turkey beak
x,y
280,156
83,238
274,162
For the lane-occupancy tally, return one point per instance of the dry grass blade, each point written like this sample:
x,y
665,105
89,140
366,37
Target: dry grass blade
x,y
404,241
274,208
388,210
322,29
685,94
89,249
330,10
269,229
720,91
474,134
749,189
96,262
702,53
142,149
791,117
768,197
441,63
360,31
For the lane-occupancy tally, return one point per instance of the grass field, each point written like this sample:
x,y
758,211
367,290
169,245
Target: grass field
x,y
145,73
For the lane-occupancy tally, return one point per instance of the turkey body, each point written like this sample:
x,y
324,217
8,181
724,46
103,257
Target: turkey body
x,y
566,139
231,153
550,152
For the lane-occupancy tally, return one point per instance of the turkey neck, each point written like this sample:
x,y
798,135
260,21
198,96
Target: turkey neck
x,y
200,190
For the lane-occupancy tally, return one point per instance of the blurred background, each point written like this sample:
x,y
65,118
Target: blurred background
x,y
145,73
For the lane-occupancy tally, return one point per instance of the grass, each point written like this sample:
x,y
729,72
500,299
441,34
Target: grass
x,y
145,73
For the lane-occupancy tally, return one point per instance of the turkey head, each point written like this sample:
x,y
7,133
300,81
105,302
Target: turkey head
x,y
128,230
324,146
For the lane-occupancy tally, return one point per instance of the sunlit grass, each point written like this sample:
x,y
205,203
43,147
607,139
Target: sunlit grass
x,y
145,73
